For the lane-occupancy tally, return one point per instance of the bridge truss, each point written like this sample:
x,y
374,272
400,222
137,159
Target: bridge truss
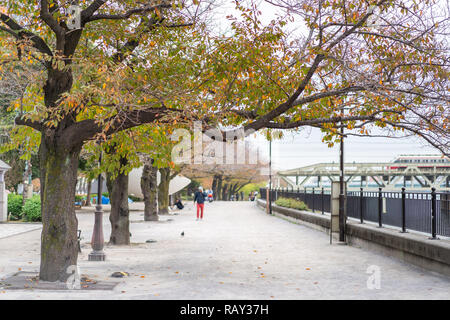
x,y
372,175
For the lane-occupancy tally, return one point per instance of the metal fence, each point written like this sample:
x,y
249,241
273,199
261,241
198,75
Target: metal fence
x,y
424,212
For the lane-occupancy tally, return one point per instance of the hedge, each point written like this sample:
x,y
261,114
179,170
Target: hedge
x,y
291,203
32,209
15,206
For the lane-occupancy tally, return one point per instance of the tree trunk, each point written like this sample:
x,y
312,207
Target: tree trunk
x,y
59,170
163,191
120,213
214,185
219,188
234,188
59,249
89,190
149,186
224,192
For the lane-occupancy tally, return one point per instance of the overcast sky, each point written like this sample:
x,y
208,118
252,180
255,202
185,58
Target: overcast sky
x,y
306,148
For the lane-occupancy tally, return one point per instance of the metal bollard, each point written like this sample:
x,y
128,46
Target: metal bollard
x,y
361,203
313,200
380,208
323,201
403,210
433,213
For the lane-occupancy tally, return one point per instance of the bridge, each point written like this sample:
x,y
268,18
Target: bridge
x,y
387,175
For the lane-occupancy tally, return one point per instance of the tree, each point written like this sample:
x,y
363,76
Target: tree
x,y
359,65
230,165
119,159
83,93
13,84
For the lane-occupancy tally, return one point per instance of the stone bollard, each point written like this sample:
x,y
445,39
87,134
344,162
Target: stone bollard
x,y
3,196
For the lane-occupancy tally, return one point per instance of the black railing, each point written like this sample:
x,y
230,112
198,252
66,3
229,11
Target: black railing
x,y
423,212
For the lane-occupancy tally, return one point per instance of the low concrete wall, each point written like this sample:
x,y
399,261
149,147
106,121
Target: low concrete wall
x,y
409,247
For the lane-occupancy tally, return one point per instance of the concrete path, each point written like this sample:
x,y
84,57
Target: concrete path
x,y
9,229
237,252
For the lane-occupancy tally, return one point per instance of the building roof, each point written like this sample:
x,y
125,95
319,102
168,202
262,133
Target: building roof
x,y
4,166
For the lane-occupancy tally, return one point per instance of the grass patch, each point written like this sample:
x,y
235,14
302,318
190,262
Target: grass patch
x,y
291,203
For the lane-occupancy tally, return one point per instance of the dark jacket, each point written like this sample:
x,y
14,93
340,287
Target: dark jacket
x,y
200,197
179,204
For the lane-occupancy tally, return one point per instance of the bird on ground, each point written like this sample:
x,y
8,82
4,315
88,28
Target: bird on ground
x,y
182,234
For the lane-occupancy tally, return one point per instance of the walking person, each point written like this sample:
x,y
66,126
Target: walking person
x,y
200,197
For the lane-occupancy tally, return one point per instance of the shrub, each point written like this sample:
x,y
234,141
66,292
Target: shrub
x,y
32,209
79,198
134,198
15,206
291,203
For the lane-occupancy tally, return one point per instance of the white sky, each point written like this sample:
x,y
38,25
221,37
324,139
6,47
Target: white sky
x,y
306,148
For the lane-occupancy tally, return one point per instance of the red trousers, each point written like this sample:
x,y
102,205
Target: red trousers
x,y
200,206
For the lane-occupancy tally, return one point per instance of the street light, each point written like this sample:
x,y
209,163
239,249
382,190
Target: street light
x,y
341,189
98,241
270,175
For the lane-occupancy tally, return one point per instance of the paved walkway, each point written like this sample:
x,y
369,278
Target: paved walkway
x,y
11,229
237,252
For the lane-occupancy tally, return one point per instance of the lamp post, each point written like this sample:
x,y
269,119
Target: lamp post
x,y
341,189
270,175
98,241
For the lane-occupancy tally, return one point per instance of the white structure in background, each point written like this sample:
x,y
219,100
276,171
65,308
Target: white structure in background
x,y
134,188
3,195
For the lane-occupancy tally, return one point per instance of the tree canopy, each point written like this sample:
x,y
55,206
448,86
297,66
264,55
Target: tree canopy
x,y
357,65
